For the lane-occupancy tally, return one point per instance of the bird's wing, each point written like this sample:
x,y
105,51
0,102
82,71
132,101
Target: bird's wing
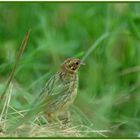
x,y
55,86
59,93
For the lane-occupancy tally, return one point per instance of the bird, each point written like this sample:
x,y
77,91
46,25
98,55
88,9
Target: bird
x,y
57,95
60,91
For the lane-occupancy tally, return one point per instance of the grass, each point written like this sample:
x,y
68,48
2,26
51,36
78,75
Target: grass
x,y
104,35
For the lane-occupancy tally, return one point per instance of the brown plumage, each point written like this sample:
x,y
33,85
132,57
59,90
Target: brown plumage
x,y
61,90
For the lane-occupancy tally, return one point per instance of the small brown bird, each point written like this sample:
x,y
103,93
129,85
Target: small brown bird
x,y
60,91
57,96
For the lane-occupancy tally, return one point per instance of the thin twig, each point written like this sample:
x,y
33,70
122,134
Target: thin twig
x,y
130,70
16,111
21,50
5,106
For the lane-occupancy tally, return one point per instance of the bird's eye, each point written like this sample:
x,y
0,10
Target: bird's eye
x,y
77,63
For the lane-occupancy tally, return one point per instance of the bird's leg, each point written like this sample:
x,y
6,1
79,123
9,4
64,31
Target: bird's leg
x,y
64,117
49,117
52,118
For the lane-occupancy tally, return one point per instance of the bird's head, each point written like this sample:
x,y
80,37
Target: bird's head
x,y
71,64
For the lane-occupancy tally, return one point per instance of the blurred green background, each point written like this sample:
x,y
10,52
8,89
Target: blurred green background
x,y
109,87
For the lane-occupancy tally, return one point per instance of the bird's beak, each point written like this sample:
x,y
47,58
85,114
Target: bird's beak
x,y
82,63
